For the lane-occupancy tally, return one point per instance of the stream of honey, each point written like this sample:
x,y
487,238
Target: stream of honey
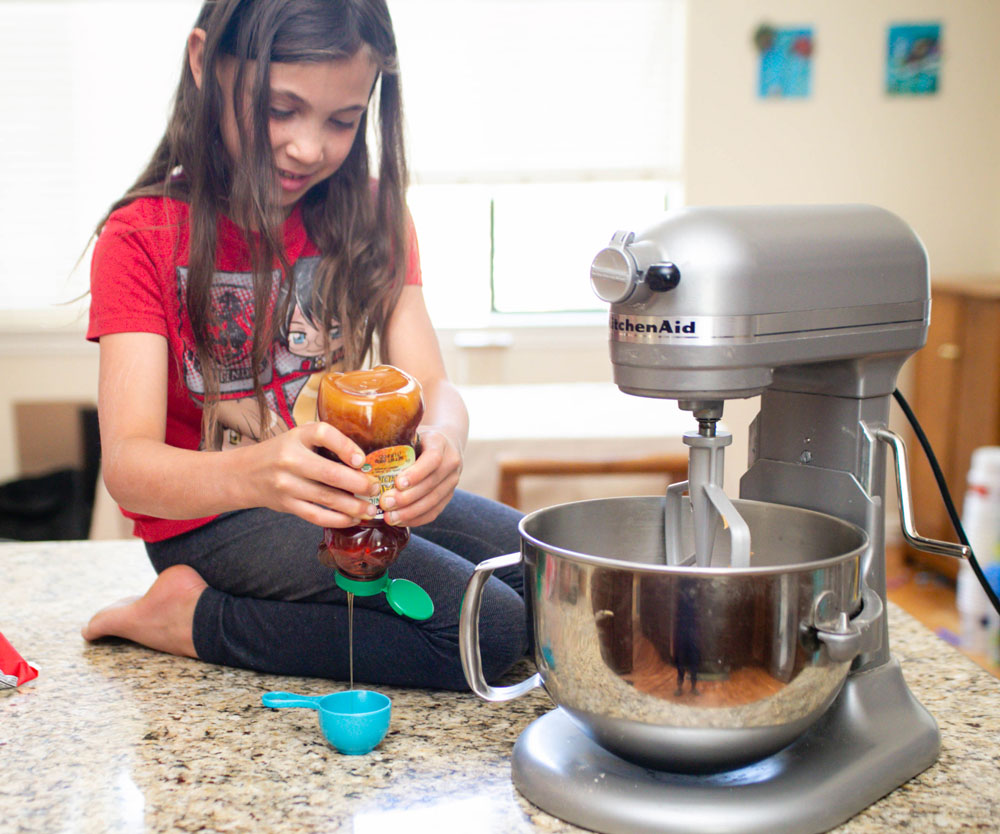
x,y
350,635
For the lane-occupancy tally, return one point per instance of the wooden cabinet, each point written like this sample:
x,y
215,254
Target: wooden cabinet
x,y
956,397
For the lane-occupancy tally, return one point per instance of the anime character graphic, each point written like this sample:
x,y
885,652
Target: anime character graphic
x,y
300,345
289,376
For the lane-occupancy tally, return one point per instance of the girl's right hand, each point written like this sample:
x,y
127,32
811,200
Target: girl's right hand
x,y
286,472
289,473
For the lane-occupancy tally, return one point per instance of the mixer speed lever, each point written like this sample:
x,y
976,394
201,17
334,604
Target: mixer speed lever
x,y
663,277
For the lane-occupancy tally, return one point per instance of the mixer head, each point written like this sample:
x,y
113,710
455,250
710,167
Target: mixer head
x,y
719,303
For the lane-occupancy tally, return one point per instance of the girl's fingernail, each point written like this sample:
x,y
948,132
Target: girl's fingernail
x,y
388,502
393,518
374,489
402,482
357,459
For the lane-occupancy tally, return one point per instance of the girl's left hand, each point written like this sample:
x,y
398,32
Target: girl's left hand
x,y
424,489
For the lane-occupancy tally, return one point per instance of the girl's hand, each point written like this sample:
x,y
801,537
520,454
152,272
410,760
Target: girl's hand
x,y
289,473
423,490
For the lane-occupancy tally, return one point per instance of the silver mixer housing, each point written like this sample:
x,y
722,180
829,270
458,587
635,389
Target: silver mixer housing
x,y
759,293
815,309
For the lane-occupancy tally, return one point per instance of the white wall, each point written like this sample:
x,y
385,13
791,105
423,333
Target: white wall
x,y
42,359
931,159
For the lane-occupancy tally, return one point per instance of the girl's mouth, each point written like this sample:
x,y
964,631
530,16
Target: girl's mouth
x,y
290,181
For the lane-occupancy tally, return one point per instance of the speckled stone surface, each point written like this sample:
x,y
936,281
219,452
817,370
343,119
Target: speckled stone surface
x,y
116,738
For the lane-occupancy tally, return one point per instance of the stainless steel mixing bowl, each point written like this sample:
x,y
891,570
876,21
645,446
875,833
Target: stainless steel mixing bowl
x,y
679,668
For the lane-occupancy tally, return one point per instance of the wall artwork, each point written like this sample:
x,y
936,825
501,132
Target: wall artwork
x,y
913,59
785,61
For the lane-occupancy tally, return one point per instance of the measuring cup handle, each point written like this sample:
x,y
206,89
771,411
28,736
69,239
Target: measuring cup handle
x,y
289,699
468,635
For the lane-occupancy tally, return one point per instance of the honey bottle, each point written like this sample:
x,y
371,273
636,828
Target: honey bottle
x,y
379,409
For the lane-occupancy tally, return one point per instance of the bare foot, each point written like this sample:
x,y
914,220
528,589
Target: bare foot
x,y
161,619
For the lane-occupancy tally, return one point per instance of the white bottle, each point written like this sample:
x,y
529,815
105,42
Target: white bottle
x,y
981,520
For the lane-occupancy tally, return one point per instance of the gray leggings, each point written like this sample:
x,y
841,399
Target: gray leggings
x,y
271,606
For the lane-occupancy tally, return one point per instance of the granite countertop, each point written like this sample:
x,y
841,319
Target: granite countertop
x,y
116,738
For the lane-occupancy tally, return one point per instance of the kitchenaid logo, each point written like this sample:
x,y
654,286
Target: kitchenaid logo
x,y
648,325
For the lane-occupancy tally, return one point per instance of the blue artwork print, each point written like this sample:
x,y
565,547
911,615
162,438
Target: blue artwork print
x,y
785,62
913,60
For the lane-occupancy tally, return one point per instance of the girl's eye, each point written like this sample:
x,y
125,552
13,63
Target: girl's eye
x,y
278,114
342,125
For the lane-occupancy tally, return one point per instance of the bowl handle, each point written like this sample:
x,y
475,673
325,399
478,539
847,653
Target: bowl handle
x,y
468,635
290,699
848,638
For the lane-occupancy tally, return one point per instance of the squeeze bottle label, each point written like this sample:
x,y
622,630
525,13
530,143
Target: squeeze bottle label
x,y
385,464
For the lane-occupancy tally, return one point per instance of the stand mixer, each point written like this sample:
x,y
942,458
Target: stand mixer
x,y
815,309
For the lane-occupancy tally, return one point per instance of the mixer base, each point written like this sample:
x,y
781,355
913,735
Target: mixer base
x,y
873,738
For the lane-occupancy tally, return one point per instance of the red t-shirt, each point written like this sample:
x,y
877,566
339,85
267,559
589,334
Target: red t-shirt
x,y
138,284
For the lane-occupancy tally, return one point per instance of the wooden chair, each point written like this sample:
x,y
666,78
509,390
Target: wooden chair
x,y
673,466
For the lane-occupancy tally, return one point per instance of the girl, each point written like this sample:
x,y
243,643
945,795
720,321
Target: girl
x,y
259,196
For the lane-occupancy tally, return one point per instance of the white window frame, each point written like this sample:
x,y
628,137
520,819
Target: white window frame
x,y
624,98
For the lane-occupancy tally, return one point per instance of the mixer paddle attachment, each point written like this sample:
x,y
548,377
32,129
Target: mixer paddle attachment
x,y
706,502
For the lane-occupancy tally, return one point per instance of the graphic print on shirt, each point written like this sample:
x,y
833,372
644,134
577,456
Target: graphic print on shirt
x,y
290,373
299,347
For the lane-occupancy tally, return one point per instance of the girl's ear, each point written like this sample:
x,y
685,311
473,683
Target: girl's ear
x,y
196,54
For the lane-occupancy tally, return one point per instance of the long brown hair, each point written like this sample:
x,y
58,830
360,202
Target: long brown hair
x,y
360,232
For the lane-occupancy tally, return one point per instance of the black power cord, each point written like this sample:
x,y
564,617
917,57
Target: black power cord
x,y
946,496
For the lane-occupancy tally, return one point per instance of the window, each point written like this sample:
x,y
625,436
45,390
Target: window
x,y
84,89
536,128
522,247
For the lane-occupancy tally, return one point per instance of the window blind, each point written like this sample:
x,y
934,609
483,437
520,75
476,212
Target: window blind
x,y
497,90
84,93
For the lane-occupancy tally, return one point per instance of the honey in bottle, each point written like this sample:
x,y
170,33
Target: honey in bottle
x,y
379,409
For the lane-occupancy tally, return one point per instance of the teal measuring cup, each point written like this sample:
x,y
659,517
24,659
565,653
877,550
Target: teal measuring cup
x,y
354,721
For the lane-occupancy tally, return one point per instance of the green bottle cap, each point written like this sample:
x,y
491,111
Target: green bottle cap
x,y
404,597
362,587
409,599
